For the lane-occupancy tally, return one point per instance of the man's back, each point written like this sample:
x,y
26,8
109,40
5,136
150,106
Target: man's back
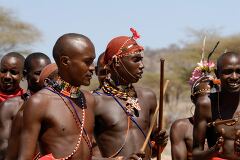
x,y
112,124
54,118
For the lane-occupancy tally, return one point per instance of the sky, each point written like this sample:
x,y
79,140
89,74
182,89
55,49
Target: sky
x,y
159,22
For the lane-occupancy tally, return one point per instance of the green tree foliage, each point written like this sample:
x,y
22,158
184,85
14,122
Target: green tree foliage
x,y
15,34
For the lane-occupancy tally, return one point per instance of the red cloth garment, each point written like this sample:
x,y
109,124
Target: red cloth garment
x,y
4,96
216,158
48,157
120,46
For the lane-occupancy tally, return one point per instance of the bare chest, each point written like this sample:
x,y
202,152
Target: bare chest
x,y
64,119
113,116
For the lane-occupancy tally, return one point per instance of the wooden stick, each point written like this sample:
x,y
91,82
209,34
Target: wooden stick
x,y
161,94
160,112
154,118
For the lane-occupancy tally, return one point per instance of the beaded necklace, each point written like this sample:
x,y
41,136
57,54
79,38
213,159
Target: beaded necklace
x,y
70,91
128,95
67,89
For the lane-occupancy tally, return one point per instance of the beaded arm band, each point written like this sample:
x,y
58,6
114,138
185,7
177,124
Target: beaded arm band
x,y
201,91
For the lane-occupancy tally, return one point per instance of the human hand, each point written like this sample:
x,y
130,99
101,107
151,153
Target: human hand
x,y
237,143
159,138
220,142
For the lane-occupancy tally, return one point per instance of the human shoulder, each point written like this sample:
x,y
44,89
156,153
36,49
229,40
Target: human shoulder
x,y
180,123
148,97
11,105
146,92
41,98
88,95
179,128
12,101
100,97
90,100
203,104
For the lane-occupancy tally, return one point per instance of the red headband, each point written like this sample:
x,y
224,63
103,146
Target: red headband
x,y
121,46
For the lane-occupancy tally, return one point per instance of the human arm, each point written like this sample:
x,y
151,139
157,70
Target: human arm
x,y
237,143
14,139
4,117
32,117
8,110
177,138
158,137
201,117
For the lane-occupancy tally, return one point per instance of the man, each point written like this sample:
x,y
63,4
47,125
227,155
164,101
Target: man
x,y
181,139
61,118
33,65
11,75
217,114
123,112
101,70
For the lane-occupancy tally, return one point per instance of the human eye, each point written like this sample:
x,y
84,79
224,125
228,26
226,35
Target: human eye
x,y
89,62
227,71
238,71
3,71
137,59
37,73
14,72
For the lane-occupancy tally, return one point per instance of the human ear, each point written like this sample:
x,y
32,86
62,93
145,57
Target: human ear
x,y
65,60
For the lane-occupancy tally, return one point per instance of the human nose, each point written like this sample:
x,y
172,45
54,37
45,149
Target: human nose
x,y
92,67
7,76
141,66
234,75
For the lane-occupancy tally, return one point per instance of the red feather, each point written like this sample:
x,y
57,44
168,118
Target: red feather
x,y
135,35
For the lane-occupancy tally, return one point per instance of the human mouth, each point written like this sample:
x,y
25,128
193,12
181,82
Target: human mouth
x,y
89,76
140,74
7,83
233,85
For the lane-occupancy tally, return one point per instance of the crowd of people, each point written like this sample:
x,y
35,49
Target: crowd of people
x,y
56,119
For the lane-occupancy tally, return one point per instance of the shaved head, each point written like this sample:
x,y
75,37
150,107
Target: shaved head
x,y
68,41
74,55
16,55
223,56
31,57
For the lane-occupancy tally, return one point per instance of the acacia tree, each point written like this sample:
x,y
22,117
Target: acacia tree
x,y
14,33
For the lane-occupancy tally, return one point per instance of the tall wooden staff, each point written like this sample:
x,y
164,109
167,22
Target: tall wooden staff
x,y
160,112
154,119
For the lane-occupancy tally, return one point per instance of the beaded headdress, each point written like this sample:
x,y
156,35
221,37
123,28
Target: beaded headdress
x,y
203,72
122,46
